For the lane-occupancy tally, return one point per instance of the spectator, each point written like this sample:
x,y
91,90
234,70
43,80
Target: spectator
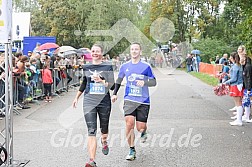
x,y
247,82
198,59
29,54
241,51
225,72
47,82
189,62
195,64
236,90
211,61
217,60
223,59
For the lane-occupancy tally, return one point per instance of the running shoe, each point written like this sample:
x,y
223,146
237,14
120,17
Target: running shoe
x,y
91,163
234,117
235,123
232,109
105,148
132,155
143,137
244,119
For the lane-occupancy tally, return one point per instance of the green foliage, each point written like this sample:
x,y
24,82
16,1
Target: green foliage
x,y
193,19
25,6
212,47
237,18
63,18
210,80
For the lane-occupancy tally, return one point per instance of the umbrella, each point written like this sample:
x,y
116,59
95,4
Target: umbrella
x,y
85,50
87,57
70,52
63,49
86,53
195,52
48,45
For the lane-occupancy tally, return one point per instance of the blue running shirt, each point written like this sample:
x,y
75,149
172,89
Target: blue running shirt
x,y
133,72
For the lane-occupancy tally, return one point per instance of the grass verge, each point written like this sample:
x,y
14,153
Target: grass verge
x,y
210,80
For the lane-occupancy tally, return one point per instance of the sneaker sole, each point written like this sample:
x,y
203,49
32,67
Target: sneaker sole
x,y
132,159
246,121
235,125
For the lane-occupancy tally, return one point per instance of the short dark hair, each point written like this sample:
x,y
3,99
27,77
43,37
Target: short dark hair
x,y
137,43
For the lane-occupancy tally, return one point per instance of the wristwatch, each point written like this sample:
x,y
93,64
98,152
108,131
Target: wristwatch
x,y
103,81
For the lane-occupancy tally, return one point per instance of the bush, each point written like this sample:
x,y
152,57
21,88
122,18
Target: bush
x,y
211,47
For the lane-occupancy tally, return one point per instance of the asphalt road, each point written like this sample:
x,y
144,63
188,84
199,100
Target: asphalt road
x,y
188,126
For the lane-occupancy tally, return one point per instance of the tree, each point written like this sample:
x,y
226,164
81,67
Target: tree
x,y
212,47
64,18
25,5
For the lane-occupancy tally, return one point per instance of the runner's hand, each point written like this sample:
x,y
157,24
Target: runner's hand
x,y
75,102
113,98
97,79
140,83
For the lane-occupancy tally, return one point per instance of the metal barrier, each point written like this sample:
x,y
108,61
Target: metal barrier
x,y
61,83
2,91
76,73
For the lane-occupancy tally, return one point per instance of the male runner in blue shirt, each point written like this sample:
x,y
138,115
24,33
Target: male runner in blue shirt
x,y
139,77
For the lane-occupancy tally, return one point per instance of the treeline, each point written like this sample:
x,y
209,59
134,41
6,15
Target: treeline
x,y
198,22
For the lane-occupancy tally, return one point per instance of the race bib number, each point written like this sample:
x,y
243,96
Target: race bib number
x,y
135,91
97,88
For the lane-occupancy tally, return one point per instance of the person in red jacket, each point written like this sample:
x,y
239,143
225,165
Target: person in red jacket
x,y
47,82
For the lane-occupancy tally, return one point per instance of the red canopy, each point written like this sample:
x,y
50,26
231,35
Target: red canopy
x,y
48,45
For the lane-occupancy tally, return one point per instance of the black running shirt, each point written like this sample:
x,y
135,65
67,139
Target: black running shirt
x,y
96,94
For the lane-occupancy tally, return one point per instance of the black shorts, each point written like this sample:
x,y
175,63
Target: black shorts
x,y
138,110
90,114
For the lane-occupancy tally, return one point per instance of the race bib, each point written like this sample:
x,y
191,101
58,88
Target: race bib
x,y
97,88
135,91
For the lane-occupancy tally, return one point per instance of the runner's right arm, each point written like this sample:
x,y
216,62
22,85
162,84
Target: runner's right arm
x,y
81,90
83,85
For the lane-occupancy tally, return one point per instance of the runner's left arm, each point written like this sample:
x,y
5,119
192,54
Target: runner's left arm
x,y
151,80
119,80
117,85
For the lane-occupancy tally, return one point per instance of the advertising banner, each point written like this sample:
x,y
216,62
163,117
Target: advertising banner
x,y
5,20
